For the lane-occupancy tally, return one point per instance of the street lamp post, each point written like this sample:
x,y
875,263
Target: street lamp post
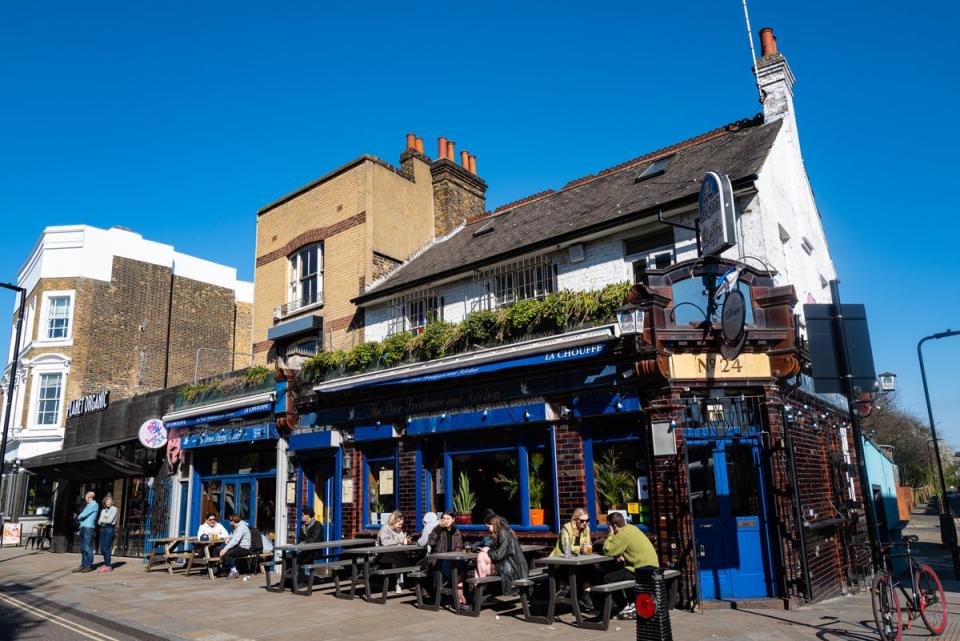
x,y
948,529
22,293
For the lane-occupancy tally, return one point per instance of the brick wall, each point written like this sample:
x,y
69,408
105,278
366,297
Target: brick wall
x,y
243,334
457,195
571,480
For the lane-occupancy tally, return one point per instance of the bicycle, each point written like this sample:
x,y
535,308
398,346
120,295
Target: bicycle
x,y
925,599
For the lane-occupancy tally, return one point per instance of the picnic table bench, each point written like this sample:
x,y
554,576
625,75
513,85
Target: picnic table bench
x,y
290,564
164,551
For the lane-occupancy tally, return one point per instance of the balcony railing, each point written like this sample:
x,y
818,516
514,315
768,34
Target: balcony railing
x,y
282,311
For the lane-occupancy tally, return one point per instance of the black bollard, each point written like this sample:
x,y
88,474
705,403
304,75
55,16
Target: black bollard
x,y
653,607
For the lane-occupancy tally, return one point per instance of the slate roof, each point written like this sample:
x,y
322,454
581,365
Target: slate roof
x,y
591,203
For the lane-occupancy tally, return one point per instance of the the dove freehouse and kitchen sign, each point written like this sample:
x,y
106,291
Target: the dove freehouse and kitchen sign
x,y
718,226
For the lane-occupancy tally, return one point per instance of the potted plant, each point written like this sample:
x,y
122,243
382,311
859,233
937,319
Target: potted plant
x,y
376,505
464,501
614,485
535,486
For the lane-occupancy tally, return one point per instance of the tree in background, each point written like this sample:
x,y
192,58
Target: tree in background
x,y
910,438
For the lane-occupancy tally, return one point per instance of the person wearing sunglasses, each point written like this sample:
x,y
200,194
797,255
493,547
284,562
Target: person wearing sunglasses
x,y
574,540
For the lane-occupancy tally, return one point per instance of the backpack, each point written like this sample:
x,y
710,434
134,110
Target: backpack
x,y
256,543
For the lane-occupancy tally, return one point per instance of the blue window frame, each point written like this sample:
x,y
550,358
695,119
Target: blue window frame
x,y
379,468
490,471
620,446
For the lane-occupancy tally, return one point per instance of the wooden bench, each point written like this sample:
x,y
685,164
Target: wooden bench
x,y
607,590
210,563
386,573
479,585
333,567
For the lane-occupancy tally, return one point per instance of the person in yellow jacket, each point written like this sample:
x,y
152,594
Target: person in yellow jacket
x,y
574,535
631,547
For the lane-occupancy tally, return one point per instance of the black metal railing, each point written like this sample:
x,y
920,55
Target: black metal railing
x,y
293,306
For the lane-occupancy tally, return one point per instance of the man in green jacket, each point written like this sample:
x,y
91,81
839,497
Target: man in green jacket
x,y
632,547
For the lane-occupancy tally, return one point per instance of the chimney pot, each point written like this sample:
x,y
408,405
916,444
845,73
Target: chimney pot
x,y
451,151
473,164
465,160
768,42
411,141
441,147
419,145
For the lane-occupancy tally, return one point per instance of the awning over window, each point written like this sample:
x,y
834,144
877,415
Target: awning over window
x,y
86,463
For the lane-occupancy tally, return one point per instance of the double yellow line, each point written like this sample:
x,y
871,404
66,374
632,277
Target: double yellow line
x,y
82,630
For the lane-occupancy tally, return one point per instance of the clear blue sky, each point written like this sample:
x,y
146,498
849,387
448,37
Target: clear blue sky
x,y
179,120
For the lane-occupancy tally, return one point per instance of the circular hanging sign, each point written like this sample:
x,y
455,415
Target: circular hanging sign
x,y
153,435
733,316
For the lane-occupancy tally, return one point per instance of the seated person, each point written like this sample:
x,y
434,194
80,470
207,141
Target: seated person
x,y
212,530
311,531
392,534
574,540
445,537
505,554
238,545
633,549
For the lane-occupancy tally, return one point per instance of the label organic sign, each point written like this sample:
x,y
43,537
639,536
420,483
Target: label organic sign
x,y
718,230
88,403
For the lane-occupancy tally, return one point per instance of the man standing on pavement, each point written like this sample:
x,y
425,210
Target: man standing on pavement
x,y
630,546
87,522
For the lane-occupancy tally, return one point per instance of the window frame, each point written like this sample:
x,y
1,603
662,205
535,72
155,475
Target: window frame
x,y
295,281
616,436
379,458
521,449
43,329
47,364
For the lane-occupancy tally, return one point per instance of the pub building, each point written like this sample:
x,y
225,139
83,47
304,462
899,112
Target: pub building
x,y
222,439
102,452
689,409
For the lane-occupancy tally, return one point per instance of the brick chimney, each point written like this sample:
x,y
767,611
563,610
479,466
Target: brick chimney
x,y
775,78
457,191
412,154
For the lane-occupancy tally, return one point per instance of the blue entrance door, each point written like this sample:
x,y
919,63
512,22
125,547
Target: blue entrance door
x,y
240,497
729,519
321,478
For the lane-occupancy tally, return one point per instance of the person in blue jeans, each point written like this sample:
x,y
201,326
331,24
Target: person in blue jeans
x,y
87,521
108,529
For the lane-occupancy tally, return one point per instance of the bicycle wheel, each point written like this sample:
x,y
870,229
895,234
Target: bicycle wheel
x,y
886,607
933,601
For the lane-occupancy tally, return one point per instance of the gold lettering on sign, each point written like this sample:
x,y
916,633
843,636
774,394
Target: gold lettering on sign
x,y
716,367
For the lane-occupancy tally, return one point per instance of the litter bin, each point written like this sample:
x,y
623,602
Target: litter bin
x,y
653,606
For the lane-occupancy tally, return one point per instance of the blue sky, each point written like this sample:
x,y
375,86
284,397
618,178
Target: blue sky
x,y
179,120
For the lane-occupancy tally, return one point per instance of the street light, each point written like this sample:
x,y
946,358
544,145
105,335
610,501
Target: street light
x,y
888,382
13,377
948,529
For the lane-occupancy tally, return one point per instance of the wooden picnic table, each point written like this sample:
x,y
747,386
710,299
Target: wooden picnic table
x,y
290,560
573,565
164,551
364,555
201,555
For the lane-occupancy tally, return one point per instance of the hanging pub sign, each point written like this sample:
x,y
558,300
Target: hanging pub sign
x,y
718,227
732,325
87,404
153,434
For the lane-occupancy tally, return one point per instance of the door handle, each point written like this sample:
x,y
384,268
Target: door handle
x,y
702,551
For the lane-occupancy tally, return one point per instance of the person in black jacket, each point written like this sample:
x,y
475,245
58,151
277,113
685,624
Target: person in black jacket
x,y
505,553
311,532
446,538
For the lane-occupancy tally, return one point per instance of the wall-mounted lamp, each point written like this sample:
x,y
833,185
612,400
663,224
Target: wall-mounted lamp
x,y
619,406
526,415
673,424
564,410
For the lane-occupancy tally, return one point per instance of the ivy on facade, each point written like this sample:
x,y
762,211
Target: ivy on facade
x,y
556,313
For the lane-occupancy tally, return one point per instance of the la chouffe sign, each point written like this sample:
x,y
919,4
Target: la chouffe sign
x,y
718,225
87,404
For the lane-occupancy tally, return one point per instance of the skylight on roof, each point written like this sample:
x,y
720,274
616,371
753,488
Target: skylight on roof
x,y
486,228
656,168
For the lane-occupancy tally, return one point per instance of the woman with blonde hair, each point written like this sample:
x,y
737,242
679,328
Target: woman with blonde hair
x,y
392,533
574,538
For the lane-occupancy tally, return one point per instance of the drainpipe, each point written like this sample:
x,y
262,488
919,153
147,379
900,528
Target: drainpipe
x,y
792,470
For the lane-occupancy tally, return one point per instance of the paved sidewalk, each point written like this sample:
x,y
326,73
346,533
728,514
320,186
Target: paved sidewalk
x,y
198,609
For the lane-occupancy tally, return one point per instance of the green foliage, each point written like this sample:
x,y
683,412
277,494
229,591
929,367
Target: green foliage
x,y
464,500
535,483
615,485
557,312
363,356
256,375
193,391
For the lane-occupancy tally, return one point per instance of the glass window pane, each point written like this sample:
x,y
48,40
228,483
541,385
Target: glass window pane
x,y
266,506
618,469
703,482
48,403
210,500
742,480
58,316
244,500
229,499
492,478
381,490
